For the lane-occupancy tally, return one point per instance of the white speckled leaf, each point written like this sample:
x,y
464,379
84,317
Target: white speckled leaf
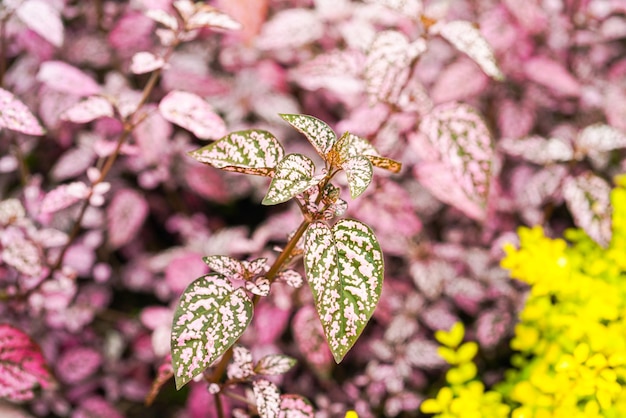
x,y
350,145
293,175
291,277
359,172
467,38
210,317
267,398
242,366
537,149
251,152
319,134
259,287
344,267
16,116
600,137
227,266
273,364
588,199
207,16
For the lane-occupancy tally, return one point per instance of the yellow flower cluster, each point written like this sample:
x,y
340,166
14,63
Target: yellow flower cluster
x,y
570,341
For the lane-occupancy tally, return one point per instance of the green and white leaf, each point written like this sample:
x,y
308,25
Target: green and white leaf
x,y
210,317
230,267
359,172
350,145
319,134
267,397
344,267
274,364
252,152
292,176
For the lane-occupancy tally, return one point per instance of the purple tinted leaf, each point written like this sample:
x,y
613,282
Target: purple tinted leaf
x,y
273,364
65,78
77,364
41,17
210,317
22,365
252,152
388,65
464,143
64,196
192,112
16,116
537,149
241,366
319,134
125,215
267,398
228,266
91,108
467,38
293,175
588,199
599,137
208,16
295,406
145,62
344,267
553,75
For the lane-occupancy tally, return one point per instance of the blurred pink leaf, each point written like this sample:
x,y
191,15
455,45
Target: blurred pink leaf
x,y
409,8
153,137
91,108
267,398
193,113
537,149
241,366
96,407
125,215
77,364
16,116
64,196
309,336
459,81
250,13
337,71
467,38
206,16
65,78
132,33
553,75
22,365
295,406
22,254
73,163
515,120
183,269
164,18
11,210
588,199
599,137
145,62
291,277
284,30
41,17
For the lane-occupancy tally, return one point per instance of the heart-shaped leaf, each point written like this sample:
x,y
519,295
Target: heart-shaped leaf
x,y
251,152
273,364
344,267
293,175
359,172
192,112
22,366
319,134
210,317
267,398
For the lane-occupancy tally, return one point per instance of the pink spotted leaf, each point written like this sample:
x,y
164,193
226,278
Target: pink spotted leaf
x,y
206,16
241,366
337,71
125,216
319,134
23,255
43,18
291,277
309,337
230,267
464,144
22,365
465,37
537,149
359,172
293,175
599,137
192,112
295,406
273,364
16,116
344,267
588,199
252,152
409,8
64,196
350,146
65,78
145,62
256,266
77,364
259,286
209,319
91,108
267,398
551,74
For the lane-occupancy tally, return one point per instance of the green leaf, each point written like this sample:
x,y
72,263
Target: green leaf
x,y
344,267
251,152
359,172
274,364
319,134
210,317
293,175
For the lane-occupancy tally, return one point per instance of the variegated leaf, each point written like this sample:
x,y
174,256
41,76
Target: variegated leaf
x,y
241,366
252,152
359,172
344,267
467,38
464,143
291,277
91,108
350,145
207,16
192,112
295,406
230,267
145,62
259,287
588,199
125,216
210,317
273,364
599,137
319,134
162,17
267,398
293,175
385,163
16,116
537,149
256,266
